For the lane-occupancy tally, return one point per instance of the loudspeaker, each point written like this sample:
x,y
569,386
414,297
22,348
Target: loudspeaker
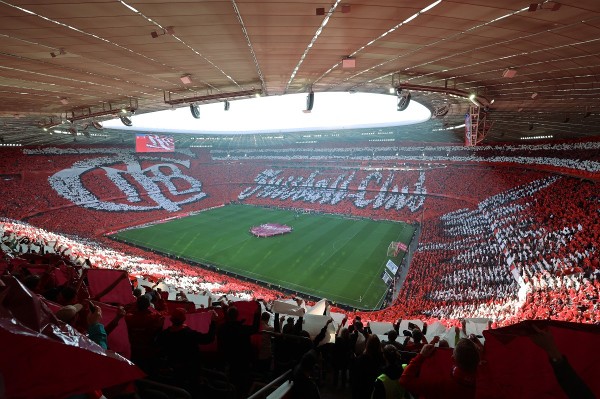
x,y
195,110
125,120
403,101
310,101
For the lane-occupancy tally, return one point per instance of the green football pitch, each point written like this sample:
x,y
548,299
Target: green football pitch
x,y
326,256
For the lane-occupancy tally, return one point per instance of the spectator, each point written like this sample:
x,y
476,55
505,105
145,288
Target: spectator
x,y
265,352
144,324
457,382
387,384
178,346
304,386
367,367
233,338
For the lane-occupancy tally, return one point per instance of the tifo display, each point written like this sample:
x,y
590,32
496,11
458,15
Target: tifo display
x,y
270,230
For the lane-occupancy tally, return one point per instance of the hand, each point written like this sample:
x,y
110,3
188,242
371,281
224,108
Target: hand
x,y
435,340
545,340
121,312
427,350
95,316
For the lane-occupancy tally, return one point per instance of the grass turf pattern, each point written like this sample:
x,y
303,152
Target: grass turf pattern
x,y
328,256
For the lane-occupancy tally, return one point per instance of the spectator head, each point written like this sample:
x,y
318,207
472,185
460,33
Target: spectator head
x,y
178,317
308,361
143,303
392,335
417,335
358,325
345,333
232,313
31,282
265,317
67,294
68,313
466,355
137,292
390,354
373,346
288,327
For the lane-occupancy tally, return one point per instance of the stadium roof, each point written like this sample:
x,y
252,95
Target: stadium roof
x,y
61,59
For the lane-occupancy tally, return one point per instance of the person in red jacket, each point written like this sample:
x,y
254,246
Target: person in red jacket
x,y
432,375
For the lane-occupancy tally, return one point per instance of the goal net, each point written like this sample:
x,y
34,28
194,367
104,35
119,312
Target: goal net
x,y
395,247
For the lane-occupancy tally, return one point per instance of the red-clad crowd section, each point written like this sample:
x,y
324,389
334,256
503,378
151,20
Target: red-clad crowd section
x,y
478,220
506,234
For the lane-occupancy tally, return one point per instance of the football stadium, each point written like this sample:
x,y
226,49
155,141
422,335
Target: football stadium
x,y
236,199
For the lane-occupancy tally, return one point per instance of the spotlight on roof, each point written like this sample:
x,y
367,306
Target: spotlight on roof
x,y
125,120
403,100
195,110
310,101
474,100
226,105
392,90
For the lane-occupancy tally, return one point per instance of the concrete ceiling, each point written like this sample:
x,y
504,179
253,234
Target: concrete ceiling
x,y
106,58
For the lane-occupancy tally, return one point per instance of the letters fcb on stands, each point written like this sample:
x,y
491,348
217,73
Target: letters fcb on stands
x,y
154,143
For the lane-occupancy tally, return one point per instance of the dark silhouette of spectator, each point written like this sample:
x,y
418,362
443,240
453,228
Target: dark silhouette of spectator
x,y
343,352
367,367
178,345
304,387
392,335
387,384
265,352
143,325
235,348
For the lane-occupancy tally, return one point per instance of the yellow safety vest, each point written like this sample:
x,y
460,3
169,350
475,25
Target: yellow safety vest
x,y
393,389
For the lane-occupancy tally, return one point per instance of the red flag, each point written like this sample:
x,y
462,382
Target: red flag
x,y
187,305
514,367
110,286
62,361
196,321
248,311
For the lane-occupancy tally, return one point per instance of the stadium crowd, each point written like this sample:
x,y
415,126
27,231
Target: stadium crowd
x,y
506,247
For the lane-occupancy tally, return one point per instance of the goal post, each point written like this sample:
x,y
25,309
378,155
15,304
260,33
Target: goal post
x,y
393,249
